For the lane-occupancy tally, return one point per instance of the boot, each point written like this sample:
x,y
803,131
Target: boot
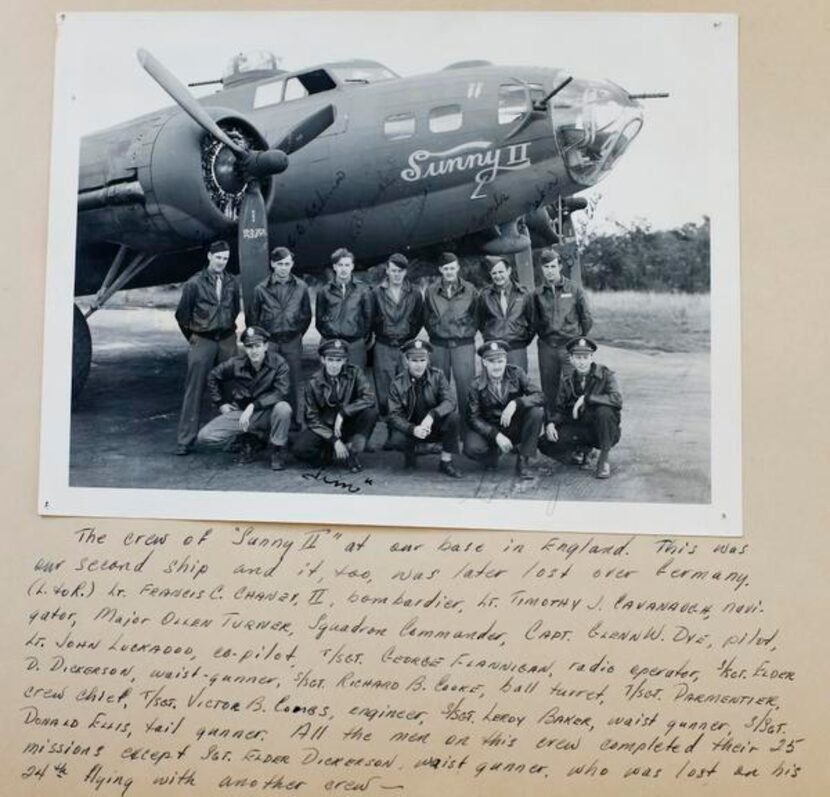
x,y
247,450
277,458
447,467
353,464
410,460
603,466
523,468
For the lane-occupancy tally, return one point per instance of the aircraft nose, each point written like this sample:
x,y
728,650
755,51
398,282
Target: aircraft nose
x,y
594,123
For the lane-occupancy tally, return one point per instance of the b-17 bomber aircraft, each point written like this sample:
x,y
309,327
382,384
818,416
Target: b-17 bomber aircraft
x,y
488,158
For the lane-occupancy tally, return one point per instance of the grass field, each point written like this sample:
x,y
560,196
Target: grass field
x,y
671,322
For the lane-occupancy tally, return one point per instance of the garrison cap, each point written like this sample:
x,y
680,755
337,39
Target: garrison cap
x,y
416,349
219,246
580,345
491,261
493,348
334,347
398,260
253,335
280,253
550,254
446,257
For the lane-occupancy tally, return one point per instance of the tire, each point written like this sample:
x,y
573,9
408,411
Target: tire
x,y
81,352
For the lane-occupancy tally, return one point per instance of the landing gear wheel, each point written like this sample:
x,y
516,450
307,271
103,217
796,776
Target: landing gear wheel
x,y
81,352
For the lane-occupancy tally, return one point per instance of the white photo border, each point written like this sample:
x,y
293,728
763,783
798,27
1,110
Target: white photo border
x,y
722,516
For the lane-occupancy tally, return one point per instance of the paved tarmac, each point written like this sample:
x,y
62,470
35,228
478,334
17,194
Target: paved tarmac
x,y
124,430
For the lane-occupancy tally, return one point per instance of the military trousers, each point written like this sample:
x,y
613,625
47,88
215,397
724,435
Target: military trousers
x,y
202,355
292,352
388,363
272,423
518,357
554,363
316,450
523,432
597,427
459,363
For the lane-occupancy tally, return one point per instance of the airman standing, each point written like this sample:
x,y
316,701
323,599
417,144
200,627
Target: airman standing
x,y
282,307
560,312
343,308
206,315
451,319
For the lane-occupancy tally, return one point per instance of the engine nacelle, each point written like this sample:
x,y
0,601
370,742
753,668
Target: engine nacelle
x,y
167,183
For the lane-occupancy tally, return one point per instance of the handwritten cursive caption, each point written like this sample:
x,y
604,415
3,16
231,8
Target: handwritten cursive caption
x,y
252,660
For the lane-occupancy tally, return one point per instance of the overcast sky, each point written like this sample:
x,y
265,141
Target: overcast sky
x,y
668,177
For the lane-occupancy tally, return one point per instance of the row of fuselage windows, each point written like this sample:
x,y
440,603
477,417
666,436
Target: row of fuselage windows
x,y
514,100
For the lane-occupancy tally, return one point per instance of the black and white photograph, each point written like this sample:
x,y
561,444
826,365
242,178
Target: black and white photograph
x,y
445,269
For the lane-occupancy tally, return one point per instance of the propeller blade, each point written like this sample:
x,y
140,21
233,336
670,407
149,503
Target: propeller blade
x,y
307,130
184,99
253,243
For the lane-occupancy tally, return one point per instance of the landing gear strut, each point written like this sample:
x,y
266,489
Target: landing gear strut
x,y
116,278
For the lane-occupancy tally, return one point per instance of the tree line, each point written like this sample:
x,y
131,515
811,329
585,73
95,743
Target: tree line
x,y
641,259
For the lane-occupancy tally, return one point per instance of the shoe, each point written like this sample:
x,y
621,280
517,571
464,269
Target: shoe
x,y
523,468
577,458
603,467
353,464
277,459
410,460
589,463
183,451
447,467
247,452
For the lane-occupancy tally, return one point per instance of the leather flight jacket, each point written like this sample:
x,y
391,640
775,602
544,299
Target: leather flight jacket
x,y
325,397
436,394
346,316
516,325
451,317
235,381
282,310
484,406
560,313
601,389
395,323
200,312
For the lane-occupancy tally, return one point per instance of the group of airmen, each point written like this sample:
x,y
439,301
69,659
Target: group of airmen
x,y
573,416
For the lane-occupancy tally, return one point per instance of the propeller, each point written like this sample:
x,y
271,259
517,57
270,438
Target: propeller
x,y
252,166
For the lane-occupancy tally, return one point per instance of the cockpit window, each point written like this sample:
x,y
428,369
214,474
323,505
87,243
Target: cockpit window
x,y
294,89
268,93
445,119
515,100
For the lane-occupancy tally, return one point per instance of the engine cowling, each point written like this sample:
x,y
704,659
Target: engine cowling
x,y
166,183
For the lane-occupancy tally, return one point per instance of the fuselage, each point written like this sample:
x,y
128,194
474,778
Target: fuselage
x,y
408,163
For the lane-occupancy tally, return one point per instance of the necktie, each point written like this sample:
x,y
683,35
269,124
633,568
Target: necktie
x,y
218,287
503,302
